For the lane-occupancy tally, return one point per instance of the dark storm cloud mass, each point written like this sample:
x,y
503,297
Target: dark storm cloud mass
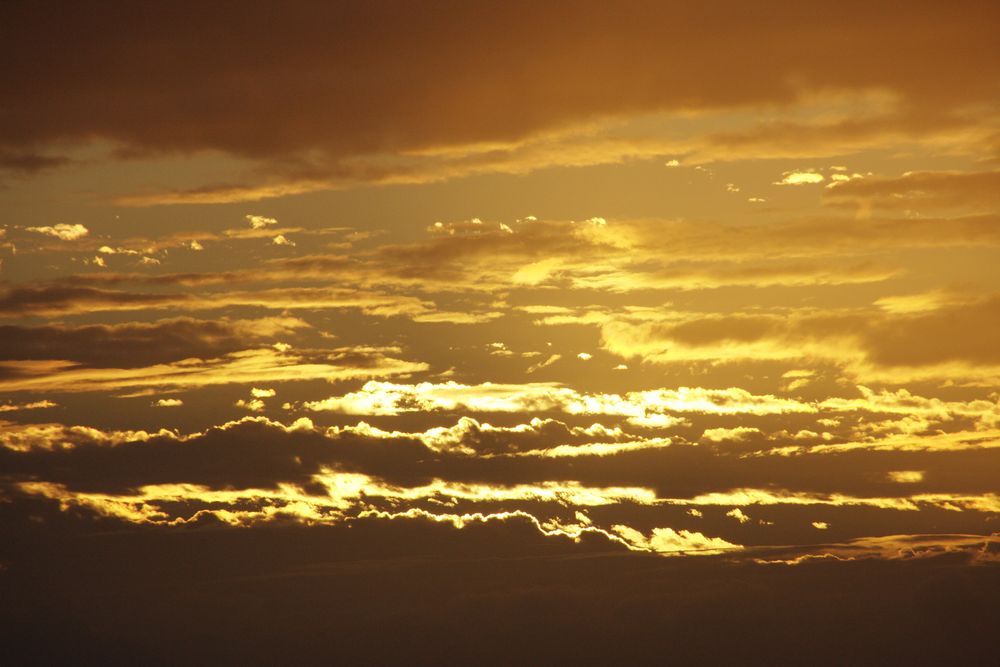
x,y
417,592
248,455
276,82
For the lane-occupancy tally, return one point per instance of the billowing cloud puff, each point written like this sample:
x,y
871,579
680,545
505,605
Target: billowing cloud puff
x,y
62,231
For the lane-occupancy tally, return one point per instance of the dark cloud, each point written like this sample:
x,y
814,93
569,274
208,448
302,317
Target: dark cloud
x,y
163,279
962,332
60,299
29,163
248,455
383,78
65,299
127,345
391,592
260,454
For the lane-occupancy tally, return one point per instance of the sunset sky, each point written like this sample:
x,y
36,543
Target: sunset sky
x,y
669,288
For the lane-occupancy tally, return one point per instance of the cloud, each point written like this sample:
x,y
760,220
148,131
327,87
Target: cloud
x,y
951,341
552,358
28,163
323,120
475,452
981,548
617,257
108,250
730,434
63,232
143,507
134,344
738,514
32,405
906,476
66,299
255,471
800,178
627,255
811,382
807,237
920,191
168,403
260,221
953,502
241,367
641,407
27,438
55,300
903,402
902,442
597,449
352,573
668,541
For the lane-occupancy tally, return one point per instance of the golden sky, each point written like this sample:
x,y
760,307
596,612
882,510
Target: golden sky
x,y
708,279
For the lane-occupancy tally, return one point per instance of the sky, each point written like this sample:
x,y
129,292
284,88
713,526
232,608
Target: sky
x,y
694,299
